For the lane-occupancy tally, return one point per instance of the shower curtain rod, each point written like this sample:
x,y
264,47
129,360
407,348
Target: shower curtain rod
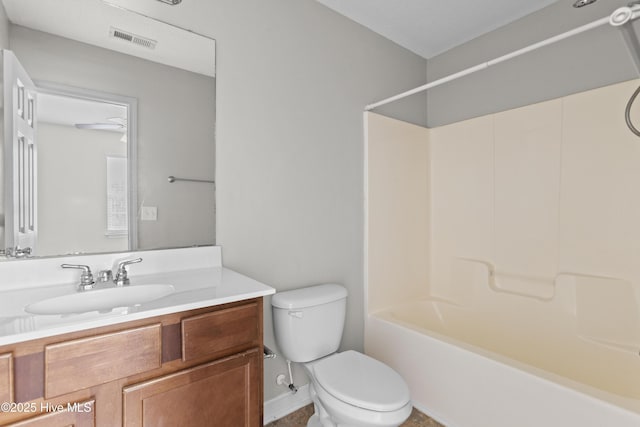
x,y
619,17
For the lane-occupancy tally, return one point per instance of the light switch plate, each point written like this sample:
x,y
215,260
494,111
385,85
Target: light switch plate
x,y
149,213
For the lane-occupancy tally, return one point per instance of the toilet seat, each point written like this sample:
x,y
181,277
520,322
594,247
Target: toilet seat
x,y
361,381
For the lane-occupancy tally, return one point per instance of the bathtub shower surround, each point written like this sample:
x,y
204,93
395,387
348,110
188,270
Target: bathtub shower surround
x,y
522,306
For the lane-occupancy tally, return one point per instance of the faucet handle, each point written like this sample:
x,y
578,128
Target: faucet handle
x,y
120,267
86,278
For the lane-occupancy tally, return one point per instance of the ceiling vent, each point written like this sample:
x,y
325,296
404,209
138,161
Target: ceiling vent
x,y
132,38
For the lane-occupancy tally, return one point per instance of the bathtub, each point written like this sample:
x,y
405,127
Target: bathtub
x,y
469,367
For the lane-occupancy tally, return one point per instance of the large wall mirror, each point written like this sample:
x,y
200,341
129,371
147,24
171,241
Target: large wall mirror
x,y
109,126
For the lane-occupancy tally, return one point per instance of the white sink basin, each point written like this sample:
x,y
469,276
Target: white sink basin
x,y
100,299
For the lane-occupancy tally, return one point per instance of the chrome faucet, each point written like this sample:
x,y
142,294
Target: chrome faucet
x,y
121,277
16,252
86,278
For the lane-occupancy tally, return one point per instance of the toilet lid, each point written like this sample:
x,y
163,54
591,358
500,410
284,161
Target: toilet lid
x,y
361,381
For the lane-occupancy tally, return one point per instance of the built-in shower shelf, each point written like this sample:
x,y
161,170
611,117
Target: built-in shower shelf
x,y
541,288
606,309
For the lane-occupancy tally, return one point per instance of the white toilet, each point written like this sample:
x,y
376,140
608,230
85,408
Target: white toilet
x,y
348,389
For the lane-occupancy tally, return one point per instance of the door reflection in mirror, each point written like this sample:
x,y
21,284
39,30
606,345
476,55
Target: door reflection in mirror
x,y
83,171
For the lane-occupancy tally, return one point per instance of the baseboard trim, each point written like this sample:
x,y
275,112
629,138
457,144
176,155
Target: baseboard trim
x,y
431,415
283,405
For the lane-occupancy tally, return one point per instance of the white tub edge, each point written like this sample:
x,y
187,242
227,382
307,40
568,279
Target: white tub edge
x,y
458,387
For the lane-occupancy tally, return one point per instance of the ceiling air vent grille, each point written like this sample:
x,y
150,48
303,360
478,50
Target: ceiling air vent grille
x,y
132,38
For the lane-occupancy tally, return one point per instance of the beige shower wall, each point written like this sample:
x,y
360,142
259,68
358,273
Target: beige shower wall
x,y
547,197
398,211
530,210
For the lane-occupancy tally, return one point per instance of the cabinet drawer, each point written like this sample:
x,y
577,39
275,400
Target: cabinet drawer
x,y
80,414
78,364
221,332
6,378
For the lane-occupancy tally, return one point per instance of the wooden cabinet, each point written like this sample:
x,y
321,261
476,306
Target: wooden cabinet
x,y
184,368
223,390
100,359
80,415
6,378
220,332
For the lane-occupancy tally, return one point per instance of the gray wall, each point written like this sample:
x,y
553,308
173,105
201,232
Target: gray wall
x,y
4,44
292,80
176,116
79,186
4,28
593,59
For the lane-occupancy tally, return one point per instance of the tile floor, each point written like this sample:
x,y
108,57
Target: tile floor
x,y
300,417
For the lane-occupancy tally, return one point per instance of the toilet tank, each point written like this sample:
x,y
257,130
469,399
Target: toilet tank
x,y
308,322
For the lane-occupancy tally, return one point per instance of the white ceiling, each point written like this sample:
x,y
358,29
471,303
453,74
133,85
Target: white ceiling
x,y
430,27
89,21
68,111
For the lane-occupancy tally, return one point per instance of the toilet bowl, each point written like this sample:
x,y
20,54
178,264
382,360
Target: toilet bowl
x,y
352,389
348,389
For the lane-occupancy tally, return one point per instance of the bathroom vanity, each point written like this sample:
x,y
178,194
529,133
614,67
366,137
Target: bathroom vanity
x,y
193,357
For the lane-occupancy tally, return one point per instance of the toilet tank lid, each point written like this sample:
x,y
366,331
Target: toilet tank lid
x,y
309,297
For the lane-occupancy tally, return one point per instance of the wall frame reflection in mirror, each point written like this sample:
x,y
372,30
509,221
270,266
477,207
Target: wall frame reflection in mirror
x,y
117,103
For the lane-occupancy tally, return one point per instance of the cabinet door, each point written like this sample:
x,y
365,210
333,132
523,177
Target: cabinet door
x,y
6,377
226,392
72,415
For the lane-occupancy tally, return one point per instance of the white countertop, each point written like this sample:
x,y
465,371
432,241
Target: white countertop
x,y
195,288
